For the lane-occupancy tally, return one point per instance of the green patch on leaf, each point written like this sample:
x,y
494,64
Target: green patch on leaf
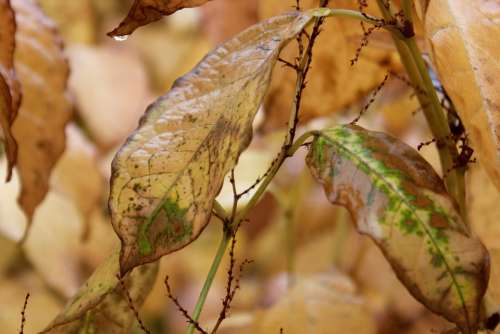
x,y
401,203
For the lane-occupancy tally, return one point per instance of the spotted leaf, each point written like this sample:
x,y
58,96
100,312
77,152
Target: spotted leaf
x,y
397,199
166,176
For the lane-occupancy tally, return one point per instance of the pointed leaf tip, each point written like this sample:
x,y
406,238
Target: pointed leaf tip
x,y
398,200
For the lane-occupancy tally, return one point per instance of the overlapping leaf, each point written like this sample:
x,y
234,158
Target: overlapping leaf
x,y
39,127
101,305
167,175
9,86
470,75
143,12
397,199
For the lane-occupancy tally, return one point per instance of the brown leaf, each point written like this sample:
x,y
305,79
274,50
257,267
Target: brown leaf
x,y
166,176
39,126
9,86
101,306
397,199
143,12
470,75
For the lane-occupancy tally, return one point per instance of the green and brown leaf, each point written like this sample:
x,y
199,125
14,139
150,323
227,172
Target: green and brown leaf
x,y
165,178
101,305
143,12
9,86
397,199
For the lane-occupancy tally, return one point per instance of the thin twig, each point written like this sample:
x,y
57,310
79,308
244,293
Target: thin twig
x,y
182,309
372,99
23,313
131,304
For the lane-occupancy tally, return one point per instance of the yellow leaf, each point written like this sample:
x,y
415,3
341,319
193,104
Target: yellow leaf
x,y
165,178
45,109
463,36
101,305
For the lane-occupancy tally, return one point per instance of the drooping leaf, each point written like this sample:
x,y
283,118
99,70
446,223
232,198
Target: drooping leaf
x,y
9,86
101,305
397,199
165,178
143,12
39,127
470,76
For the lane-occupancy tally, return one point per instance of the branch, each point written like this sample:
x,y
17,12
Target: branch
x,y
182,309
23,313
131,304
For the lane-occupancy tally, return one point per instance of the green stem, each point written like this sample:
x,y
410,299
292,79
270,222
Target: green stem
x,y
210,278
411,57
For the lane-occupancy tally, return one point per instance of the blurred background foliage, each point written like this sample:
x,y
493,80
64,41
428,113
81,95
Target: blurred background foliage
x,y
311,271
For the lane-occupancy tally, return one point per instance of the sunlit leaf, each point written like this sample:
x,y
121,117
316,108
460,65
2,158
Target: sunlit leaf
x,y
45,109
470,74
143,12
9,86
397,199
167,175
101,306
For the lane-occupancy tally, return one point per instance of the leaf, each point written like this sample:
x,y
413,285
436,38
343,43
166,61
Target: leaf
x,y
397,199
144,12
166,176
318,304
9,86
39,127
471,30
100,306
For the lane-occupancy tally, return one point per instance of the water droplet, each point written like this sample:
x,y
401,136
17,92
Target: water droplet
x,y
120,38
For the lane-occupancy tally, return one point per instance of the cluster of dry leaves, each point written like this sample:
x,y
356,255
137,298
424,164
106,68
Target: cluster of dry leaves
x,y
65,110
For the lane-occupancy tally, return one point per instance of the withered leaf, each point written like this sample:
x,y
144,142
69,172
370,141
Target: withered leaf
x,y
470,76
39,127
143,12
165,178
397,199
9,86
101,305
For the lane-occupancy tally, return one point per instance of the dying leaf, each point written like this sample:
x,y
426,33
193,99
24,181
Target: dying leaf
x,y
143,12
398,200
101,306
9,86
165,178
39,127
470,76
